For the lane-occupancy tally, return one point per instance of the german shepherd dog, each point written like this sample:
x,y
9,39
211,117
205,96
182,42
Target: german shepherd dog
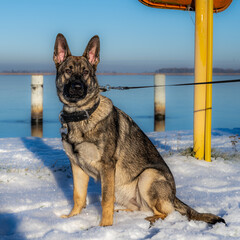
x,y
103,142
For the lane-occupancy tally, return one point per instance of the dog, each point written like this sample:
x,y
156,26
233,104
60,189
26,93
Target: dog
x,y
103,142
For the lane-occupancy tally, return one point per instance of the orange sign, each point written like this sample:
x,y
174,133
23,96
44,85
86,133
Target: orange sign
x,y
218,5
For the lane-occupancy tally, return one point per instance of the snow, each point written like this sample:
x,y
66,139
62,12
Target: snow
x,y
36,189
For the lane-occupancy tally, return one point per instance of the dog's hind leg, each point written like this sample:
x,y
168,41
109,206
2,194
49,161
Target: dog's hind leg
x,y
161,210
156,193
80,184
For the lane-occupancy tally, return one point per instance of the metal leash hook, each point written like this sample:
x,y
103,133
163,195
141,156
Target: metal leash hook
x,y
105,88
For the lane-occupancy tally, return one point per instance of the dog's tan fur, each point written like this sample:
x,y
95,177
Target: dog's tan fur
x,y
109,146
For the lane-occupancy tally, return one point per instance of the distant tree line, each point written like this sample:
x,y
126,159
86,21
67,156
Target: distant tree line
x,y
21,71
26,71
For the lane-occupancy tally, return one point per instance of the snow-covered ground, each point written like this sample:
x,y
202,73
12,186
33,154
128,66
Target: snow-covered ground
x,y
36,189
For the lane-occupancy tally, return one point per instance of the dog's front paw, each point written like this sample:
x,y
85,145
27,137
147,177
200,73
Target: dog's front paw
x,y
75,211
69,215
106,222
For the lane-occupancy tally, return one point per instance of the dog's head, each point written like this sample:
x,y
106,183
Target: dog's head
x,y
76,80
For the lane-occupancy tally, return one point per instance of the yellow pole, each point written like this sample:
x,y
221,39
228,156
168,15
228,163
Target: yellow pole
x,y
209,79
200,76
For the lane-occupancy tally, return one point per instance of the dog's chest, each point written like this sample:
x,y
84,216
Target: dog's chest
x,y
87,154
75,135
89,158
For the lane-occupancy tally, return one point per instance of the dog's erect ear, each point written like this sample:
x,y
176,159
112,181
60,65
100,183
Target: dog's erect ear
x,y
92,51
61,50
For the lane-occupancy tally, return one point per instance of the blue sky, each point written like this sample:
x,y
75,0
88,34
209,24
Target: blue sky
x,y
134,38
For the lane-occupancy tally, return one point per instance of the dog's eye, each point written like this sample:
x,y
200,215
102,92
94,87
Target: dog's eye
x,y
85,72
68,71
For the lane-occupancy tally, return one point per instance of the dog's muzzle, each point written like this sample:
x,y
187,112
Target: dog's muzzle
x,y
75,91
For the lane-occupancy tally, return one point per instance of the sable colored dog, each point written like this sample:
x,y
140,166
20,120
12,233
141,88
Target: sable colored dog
x,y
103,142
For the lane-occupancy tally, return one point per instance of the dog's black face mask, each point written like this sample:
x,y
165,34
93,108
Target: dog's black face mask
x,y
75,90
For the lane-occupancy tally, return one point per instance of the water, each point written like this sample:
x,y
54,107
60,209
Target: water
x,y
15,103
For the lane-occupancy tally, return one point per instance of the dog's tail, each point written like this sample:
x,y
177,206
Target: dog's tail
x,y
194,215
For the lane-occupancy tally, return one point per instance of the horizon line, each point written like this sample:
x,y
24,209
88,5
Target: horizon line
x,y
118,73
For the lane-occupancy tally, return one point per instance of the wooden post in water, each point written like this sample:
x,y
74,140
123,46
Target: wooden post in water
x,y
37,105
37,130
159,103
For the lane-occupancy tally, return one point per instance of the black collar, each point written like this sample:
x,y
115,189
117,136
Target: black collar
x,y
66,117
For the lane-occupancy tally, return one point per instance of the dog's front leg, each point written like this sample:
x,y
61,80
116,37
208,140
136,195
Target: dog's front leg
x,y
107,184
80,185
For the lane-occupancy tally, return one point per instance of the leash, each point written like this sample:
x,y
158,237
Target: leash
x,y
108,87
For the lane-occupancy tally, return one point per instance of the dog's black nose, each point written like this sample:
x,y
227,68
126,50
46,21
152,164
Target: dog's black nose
x,y
77,85
74,90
